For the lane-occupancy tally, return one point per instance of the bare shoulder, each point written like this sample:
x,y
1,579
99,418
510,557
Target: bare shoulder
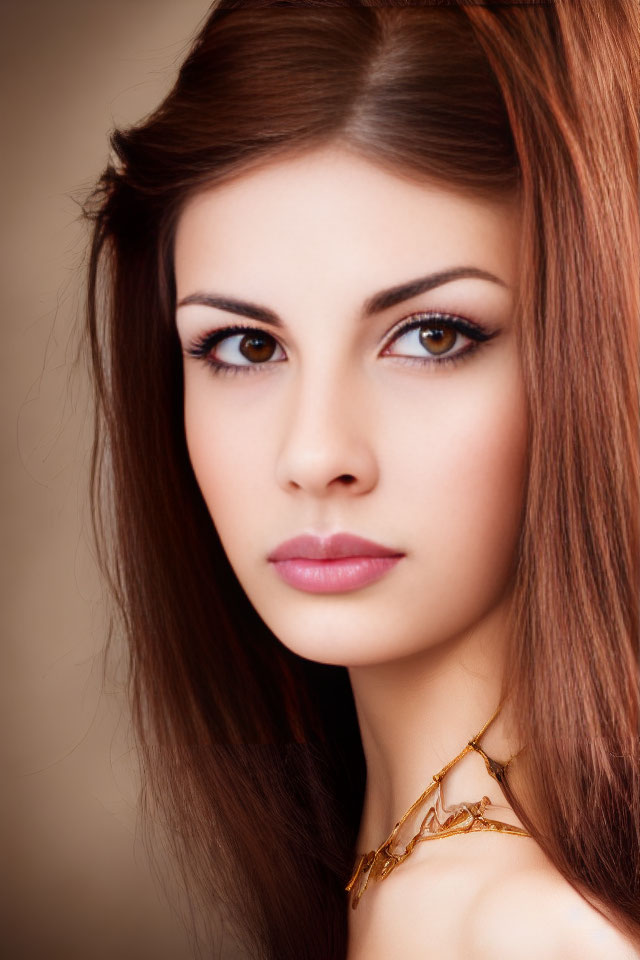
x,y
491,897
535,913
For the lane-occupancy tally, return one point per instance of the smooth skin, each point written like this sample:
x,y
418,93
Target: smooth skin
x,y
334,420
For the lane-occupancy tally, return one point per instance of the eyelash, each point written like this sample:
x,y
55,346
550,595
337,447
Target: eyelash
x,y
201,347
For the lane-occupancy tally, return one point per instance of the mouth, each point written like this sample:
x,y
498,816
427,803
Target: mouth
x,y
335,564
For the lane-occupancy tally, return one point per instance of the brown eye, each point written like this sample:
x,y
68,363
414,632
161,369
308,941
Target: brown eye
x,y
429,339
257,347
243,349
437,339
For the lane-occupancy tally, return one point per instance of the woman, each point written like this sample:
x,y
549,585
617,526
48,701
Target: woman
x,y
363,313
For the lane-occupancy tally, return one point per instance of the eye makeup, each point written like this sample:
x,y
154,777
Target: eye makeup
x,y
202,347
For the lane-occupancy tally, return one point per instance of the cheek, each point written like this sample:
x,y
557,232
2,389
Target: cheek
x,y
467,483
229,458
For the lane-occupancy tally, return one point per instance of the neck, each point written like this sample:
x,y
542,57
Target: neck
x,y
417,714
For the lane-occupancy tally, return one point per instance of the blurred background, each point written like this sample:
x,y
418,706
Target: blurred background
x,y
76,882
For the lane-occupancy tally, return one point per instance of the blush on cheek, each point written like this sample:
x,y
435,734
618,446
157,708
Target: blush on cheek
x,y
488,436
497,480
476,467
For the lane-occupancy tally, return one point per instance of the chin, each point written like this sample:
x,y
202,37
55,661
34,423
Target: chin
x,y
349,642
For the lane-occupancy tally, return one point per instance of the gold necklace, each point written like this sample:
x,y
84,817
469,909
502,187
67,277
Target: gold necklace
x,y
439,821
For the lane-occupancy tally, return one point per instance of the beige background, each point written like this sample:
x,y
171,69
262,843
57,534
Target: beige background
x,y
75,881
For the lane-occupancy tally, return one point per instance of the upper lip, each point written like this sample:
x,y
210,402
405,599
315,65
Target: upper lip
x,y
311,547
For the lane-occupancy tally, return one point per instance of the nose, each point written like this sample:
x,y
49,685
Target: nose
x,y
328,443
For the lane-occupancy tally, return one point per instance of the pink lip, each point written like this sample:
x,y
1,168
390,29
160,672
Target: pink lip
x,y
332,565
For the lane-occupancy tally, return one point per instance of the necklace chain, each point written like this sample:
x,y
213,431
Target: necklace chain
x,y
462,818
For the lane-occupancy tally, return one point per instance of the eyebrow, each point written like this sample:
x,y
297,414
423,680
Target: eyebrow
x,y
374,304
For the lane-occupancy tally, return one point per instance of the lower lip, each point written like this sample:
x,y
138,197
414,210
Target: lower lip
x,y
333,576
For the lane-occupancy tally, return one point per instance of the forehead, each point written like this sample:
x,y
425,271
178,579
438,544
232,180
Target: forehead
x,y
332,217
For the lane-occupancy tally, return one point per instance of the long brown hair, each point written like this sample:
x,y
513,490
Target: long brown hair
x,y
251,755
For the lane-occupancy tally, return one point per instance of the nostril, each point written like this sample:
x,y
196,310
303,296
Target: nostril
x,y
347,478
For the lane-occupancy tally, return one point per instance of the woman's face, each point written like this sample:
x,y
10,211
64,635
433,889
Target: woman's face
x,y
338,408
